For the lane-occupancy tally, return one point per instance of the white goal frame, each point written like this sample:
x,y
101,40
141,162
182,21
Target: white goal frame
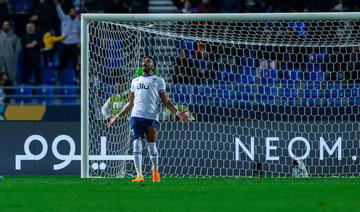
x,y
87,18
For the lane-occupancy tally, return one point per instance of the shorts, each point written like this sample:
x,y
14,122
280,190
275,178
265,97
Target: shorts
x,y
138,126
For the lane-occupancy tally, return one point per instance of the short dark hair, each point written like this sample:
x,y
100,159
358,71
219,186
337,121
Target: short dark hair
x,y
7,20
152,60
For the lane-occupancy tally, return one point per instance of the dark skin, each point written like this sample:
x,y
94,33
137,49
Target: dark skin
x,y
151,132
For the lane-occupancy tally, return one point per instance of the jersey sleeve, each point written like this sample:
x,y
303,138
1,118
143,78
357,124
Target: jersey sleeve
x,y
161,86
132,86
105,107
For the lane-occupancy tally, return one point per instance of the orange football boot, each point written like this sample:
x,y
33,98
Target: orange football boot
x,y
138,179
156,176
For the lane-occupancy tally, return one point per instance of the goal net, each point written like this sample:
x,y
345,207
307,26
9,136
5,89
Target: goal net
x,y
271,94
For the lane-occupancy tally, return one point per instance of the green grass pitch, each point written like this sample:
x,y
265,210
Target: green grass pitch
x,y
71,193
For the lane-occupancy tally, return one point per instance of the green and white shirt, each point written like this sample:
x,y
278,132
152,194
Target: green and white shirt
x,y
170,116
115,103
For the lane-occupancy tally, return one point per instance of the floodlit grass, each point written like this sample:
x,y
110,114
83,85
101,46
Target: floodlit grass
x,y
71,193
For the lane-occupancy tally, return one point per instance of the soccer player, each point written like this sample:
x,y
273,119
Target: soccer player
x,y
146,92
116,101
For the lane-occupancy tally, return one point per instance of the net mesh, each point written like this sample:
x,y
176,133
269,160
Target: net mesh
x,y
264,96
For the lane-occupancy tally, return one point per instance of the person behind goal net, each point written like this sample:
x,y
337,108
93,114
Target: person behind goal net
x,y
116,101
146,92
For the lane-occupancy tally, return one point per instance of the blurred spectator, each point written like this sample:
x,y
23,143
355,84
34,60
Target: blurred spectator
x,y
187,7
140,6
5,12
351,5
10,47
43,15
231,6
94,6
300,5
331,61
117,6
320,6
32,43
180,3
77,3
66,5
203,46
183,69
206,7
354,64
4,81
205,61
267,56
70,28
21,9
278,6
81,8
49,40
2,92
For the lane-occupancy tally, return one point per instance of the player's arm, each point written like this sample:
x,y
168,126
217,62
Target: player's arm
x,y
105,108
126,108
182,115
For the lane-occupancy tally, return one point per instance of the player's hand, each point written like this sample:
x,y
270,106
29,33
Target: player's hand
x,y
185,116
112,121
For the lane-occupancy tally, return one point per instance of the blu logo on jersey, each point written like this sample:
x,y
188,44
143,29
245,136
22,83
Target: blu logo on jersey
x,y
142,86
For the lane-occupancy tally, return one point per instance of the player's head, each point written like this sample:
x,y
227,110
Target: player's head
x,y
148,64
119,87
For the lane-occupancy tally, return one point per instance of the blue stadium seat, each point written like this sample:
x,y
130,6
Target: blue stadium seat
x,y
20,67
46,93
243,97
204,100
244,88
183,98
269,76
223,93
354,100
187,45
272,91
228,77
292,74
314,58
289,83
314,75
56,61
202,91
332,102
265,99
182,88
268,81
299,27
311,102
219,76
311,93
352,92
288,101
23,95
245,75
67,76
48,76
333,90
288,92
68,93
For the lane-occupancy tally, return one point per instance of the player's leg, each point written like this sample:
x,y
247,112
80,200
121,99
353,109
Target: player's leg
x,y
137,134
151,134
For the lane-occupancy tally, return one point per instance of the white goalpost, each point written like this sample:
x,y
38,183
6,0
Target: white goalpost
x,y
274,95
